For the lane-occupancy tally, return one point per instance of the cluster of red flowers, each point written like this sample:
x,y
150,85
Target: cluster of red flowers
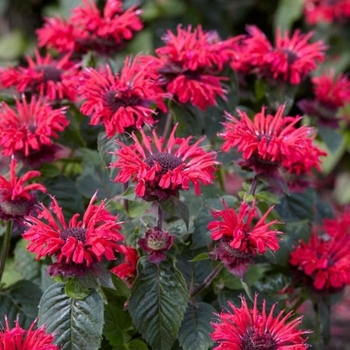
x,y
240,239
291,59
192,58
247,329
89,29
325,259
326,11
270,143
331,92
17,338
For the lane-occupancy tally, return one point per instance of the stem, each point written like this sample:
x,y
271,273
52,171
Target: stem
x,y
254,185
160,217
207,281
5,247
167,125
126,201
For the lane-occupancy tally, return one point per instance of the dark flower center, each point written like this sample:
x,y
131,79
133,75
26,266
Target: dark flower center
x,y
78,233
291,56
115,102
166,160
253,341
50,72
16,208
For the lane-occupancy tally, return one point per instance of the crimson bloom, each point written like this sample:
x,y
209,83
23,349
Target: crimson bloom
x,y
121,100
53,78
17,338
247,329
162,171
268,142
325,259
239,238
326,11
290,59
331,93
91,29
193,58
27,131
78,244
17,198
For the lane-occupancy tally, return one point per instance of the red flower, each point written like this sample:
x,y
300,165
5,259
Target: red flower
x,y
161,172
193,59
28,130
291,59
80,243
55,79
90,29
156,242
247,329
121,101
239,238
269,142
325,260
18,338
16,198
338,226
127,271
326,11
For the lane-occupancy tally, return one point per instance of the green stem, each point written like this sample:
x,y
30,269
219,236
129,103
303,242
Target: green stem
x,y
207,281
160,217
5,247
126,201
254,185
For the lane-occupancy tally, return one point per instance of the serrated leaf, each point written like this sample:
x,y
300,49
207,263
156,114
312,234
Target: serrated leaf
x,y
175,207
21,299
158,303
77,323
195,329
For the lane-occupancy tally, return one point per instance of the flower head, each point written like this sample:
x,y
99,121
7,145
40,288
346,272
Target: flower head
x,y
55,79
80,243
335,11
248,329
121,100
163,170
17,338
89,28
324,260
17,199
28,129
192,58
240,239
156,242
291,59
268,142
127,270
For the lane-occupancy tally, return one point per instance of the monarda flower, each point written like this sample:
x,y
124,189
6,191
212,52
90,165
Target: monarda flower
x,y
54,78
251,329
318,11
78,245
162,168
239,238
17,199
269,142
17,338
28,130
324,260
89,29
291,59
331,93
192,58
121,100
156,242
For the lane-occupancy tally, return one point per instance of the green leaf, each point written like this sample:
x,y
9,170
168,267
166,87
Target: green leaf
x,y
136,344
12,45
175,207
158,303
22,298
77,323
331,137
200,257
260,89
287,12
195,329
75,290
105,147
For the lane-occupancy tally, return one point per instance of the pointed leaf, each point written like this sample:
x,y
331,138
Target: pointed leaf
x,y
195,329
77,323
175,207
158,303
